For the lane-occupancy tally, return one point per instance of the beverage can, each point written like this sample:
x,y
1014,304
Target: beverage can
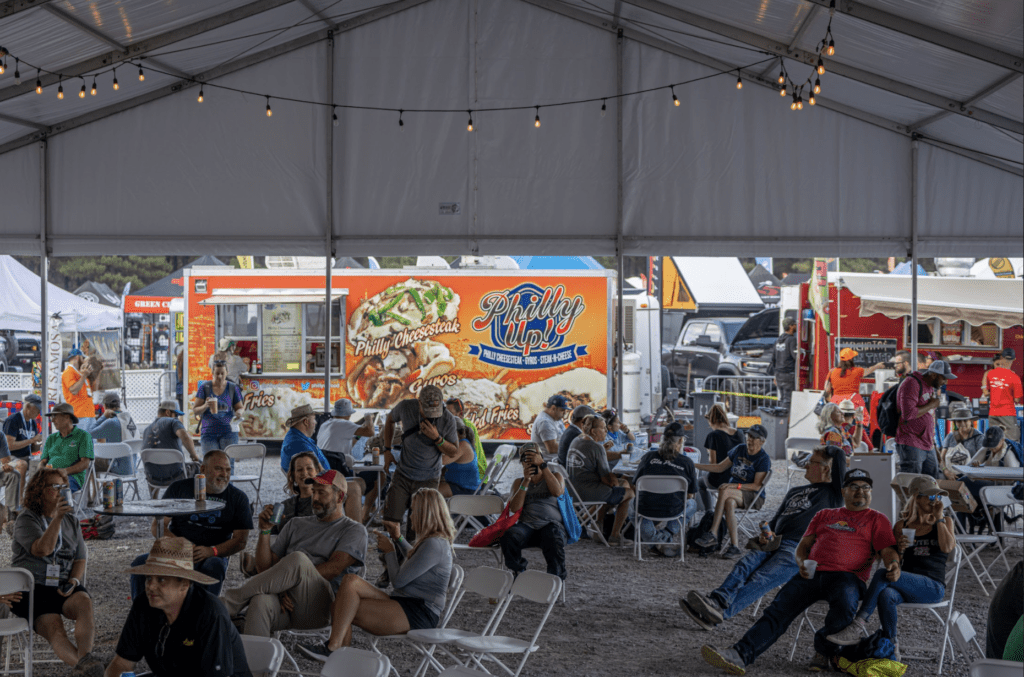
x,y
278,513
118,491
68,497
375,452
109,495
200,490
767,531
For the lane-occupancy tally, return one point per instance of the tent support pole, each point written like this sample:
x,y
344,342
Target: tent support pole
x,y
44,319
913,250
328,245
620,258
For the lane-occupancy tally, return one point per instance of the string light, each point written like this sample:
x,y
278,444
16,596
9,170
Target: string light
x,y
200,97
269,112
116,86
799,102
81,94
821,66
811,100
604,106
142,76
536,119
739,80
39,83
792,106
334,116
400,123
3,66
817,85
93,90
17,72
782,76
60,90
831,45
782,92
469,127
675,99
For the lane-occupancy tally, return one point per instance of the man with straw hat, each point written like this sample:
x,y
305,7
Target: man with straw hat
x,y
299,437
179,628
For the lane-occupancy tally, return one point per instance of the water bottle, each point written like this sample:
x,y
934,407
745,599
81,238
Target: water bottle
x,y
642,441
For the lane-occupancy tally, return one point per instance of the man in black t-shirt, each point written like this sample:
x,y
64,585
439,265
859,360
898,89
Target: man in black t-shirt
x,y
215,535
668,460
760,571
573,431
177,626
783,364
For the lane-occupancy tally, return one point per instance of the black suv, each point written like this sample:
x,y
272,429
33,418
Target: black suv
x,y
725,346
8,350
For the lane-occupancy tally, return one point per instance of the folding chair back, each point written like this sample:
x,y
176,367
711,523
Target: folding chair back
x,y
349,662
169,462
746,515
1001,497
238,452
81,497
659,484
18,580
468,507
112,451
990,667
503,455
963,634
264,655
455,579
793,445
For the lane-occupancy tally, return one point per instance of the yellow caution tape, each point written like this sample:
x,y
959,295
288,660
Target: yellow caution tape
x,y
756,397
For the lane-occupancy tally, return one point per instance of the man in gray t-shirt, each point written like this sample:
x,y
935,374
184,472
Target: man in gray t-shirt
x,y
548,426
300,573
428,433
588,463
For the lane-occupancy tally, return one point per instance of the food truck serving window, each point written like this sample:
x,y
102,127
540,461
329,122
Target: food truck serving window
x,y
936,333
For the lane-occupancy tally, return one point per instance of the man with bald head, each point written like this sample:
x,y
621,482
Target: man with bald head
x,y
215,535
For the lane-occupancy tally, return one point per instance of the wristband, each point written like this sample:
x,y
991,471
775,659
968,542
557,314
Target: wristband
x,y
739,487
265,532
214,548
439,441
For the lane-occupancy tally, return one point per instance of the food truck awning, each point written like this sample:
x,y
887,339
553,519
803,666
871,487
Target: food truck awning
x,y
234,297
950,299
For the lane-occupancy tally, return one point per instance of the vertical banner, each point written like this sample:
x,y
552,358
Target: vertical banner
x,y
54,349
818,293
765,262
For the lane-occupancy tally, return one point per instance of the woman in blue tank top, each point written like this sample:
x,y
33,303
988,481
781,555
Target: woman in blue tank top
x,y
461,475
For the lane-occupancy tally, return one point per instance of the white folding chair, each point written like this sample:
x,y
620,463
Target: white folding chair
x,y
745,516
81,497
349,662
659,484
461,671
933,608
901,487
14,628
264,655
965,637
112,451
535,586
465,509
486,582
990,667
504,456
973,545
239,452
795,444
1000,497
586,511
162,457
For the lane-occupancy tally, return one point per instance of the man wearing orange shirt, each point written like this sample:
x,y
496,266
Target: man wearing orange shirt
x,y
1003,388
75,384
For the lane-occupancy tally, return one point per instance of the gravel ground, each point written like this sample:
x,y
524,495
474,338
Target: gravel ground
x,y
621,616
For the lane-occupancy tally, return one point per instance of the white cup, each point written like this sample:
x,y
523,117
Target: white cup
x,y
910,534
811,566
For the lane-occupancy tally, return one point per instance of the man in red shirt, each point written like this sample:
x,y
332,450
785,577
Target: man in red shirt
x,y
1004,392
835,557
916,399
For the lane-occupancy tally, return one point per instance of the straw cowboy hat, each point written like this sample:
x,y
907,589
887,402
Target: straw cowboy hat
x,y
847,407
171,556
299,413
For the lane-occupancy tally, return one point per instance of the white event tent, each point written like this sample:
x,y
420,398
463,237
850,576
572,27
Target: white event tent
x,y
20,307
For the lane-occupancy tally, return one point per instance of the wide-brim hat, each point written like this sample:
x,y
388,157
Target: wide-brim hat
x,y
343,407
925,486
171,556
63,408
298,413
958,411
847,407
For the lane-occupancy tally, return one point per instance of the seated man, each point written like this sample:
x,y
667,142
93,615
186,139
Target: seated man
x,y
11,471
835,558
668,459
48,542
21,431
300,573
749,464
962,443
761,571
179,628
115,425
70,448
571,432
300,425
168,432
214,535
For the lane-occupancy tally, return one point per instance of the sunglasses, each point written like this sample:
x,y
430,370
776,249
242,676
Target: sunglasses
x,y
220,363
930,497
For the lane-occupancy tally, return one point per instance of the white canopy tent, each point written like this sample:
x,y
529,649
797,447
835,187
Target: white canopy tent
x,y
20,307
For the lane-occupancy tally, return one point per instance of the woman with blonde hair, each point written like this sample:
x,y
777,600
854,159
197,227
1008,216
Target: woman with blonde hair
x,y
722,439
420,582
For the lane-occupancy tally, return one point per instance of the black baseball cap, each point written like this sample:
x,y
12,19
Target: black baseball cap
x,y
759,431
857,475
993,436
674,429
1008,354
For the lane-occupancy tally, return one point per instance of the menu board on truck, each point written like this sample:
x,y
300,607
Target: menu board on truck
x,y
282,337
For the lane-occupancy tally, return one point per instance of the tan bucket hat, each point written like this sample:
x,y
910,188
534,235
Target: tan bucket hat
x,y
171,556
299,413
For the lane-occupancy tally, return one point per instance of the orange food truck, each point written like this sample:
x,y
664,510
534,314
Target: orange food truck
x,y
502,341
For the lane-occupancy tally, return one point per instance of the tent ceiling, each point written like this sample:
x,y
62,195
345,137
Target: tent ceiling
x,y
716,180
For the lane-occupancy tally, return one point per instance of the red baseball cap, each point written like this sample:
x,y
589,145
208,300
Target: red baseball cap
x,y
330,478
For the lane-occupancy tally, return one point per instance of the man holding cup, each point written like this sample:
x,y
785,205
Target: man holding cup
x,y
835,557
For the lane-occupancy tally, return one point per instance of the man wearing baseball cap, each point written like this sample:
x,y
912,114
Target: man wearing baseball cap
x,y
916,399
835,557
749,465
179,628
114,425
75,387
783,364
168,432
428,433
1003,389
299,573
548,426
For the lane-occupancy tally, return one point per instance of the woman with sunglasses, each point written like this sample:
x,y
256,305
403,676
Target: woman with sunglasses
x,y
217,402
924,538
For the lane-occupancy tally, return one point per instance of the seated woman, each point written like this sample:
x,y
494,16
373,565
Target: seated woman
x,y
830,427
722,439
420,583
618,433
461,474
667,460
996,451
921,577
962,443
591,475
48,542
540,524
749,465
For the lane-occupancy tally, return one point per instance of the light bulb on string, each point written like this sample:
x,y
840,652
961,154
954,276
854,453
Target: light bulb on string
x,y
799,103
604,106
116,86
782,92
817,85
334,116
39,83
536,119
675,99
739,81
269,112
17,72
810,100
792,106
142,76
3,67
821,66
200,97
469,127
93,90
782,76
81,93
401,124
831,47
60,90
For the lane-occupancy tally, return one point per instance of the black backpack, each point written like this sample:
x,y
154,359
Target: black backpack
x,y
888,413
693,533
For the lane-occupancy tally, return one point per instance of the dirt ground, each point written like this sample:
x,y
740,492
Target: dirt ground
x,y
621,616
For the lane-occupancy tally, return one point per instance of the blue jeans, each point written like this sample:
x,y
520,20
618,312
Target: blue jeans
x,y
756,574
918,461
73,484
211,442
842,591
651,534
910,588
214,567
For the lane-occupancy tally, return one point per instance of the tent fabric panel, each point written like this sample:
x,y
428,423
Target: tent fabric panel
x,y
958,197
946,313
727,166
11,130
20,306
390,180
869,99
46,41
1006,101
21,220
778,19
225,170
961,131
997,24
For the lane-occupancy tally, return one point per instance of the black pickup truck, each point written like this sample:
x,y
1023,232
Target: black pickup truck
x,y
725,346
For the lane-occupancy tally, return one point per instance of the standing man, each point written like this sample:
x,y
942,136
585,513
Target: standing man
x,y
178,627
70,448
548,426
1004,392
901,363
783,364
75,386
428,432
573,431
842,544
916,399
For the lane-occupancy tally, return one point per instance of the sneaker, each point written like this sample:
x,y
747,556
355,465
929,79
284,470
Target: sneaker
x,y
88,666
850,635
820,664
732,552
725,659
896,651
706,540
706,606
704,623
318,651
383,581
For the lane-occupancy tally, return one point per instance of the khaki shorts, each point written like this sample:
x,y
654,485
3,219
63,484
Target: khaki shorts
x,y
1008,424
752,499
400,495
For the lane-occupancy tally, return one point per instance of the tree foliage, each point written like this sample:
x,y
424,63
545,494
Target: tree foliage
x,y
114,271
